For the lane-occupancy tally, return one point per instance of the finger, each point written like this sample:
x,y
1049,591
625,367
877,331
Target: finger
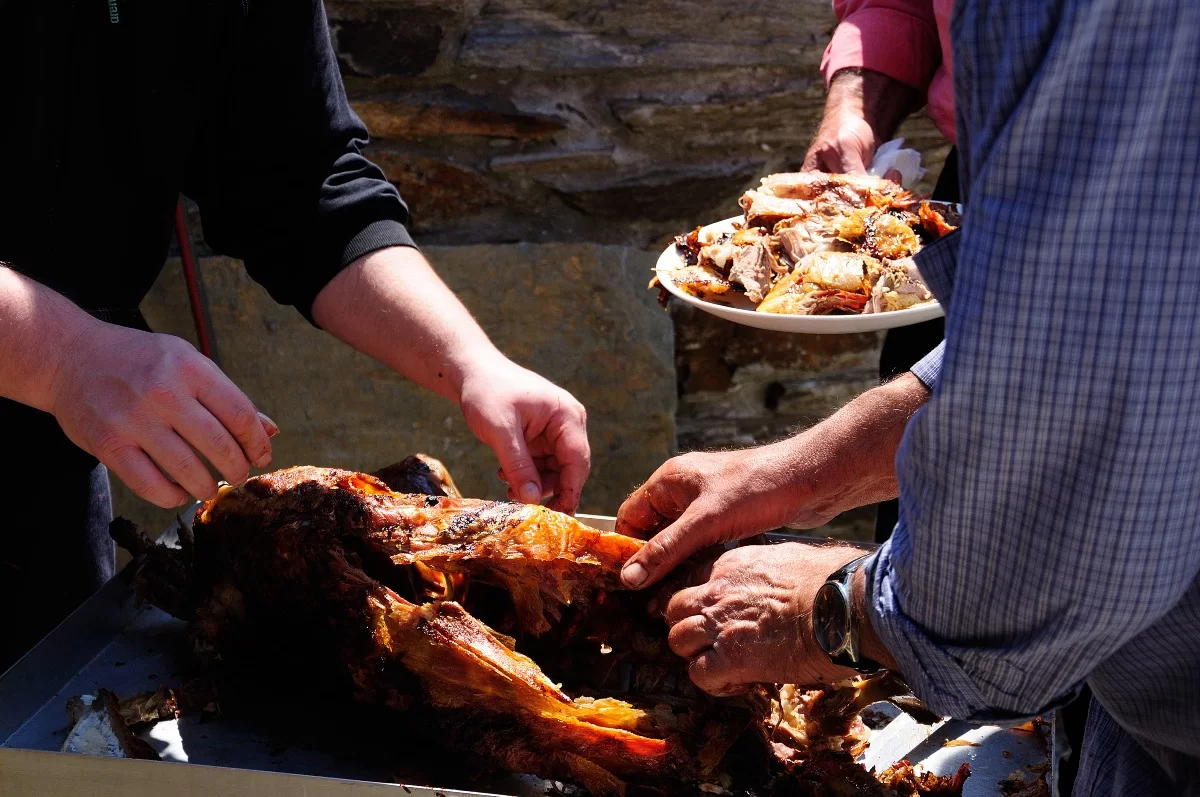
x,y
177,459
269,426
713,672
684,577
894,175
637,516
549,484
685,603
574,458
236,413
667,549
813,159
662,499
138,473
692,636
520,472
205,433
852,163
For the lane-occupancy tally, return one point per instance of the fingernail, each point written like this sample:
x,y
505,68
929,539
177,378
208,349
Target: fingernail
x,y
530,493
262,461
634,575
269,425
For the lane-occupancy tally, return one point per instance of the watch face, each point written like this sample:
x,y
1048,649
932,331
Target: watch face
x,y
829,619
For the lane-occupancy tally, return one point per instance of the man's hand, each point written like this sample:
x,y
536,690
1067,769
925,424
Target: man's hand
x,y
862,110
844,143
697,500
537,430
147,405
392,306
702,499
750,620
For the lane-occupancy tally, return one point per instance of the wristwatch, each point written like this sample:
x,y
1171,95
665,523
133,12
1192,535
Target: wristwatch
x,y
832,621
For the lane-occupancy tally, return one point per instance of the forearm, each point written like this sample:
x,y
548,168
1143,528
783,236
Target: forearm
x,y
882,102
848,460
38,326
392,306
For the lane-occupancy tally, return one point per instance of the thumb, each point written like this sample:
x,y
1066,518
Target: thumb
x,y
519,469
855,162
668,549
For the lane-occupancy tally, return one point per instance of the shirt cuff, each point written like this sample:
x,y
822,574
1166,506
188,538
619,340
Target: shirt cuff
x,y
929,368
375,236
953,681
884,40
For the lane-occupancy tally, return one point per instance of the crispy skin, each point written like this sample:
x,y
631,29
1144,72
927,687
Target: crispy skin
x,y
938,219
701,281
689,246
861,190
543,558
766,210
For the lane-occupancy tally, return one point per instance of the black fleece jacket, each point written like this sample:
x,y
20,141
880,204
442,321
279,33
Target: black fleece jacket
x,y
111,108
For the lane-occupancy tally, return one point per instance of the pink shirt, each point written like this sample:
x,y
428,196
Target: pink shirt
x,y
907,40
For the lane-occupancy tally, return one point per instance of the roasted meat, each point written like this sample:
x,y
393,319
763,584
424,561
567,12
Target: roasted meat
x,y
814,193
439,606
700,281
823,283
898,286
752,269
792,217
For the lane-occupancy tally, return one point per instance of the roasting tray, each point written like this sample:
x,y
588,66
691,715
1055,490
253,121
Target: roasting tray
x,y
110,643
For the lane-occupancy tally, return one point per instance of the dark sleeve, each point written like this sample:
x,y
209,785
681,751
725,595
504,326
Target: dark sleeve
x,y
278,171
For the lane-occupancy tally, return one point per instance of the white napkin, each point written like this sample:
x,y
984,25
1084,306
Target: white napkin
x,y
906,161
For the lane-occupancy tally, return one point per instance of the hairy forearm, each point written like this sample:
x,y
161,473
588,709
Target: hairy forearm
x,y
876,98
37,325
392,306
848,460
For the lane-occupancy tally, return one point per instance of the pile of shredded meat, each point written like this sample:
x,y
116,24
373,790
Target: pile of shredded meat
x,y
811,243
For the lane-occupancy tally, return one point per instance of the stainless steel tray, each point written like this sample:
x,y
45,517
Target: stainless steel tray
x,y
110,643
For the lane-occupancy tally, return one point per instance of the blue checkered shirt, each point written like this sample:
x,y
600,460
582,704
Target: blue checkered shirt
x,y
1049,528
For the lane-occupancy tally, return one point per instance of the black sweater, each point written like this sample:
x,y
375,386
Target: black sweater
x,y
111,108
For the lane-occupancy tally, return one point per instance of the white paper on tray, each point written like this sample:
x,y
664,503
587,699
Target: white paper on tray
x,y
906,161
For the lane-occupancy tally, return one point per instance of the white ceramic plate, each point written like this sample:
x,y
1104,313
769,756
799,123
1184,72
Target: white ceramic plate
x,y
735,307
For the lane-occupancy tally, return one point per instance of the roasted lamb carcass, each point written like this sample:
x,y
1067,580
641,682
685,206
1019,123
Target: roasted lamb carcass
x,y
420,603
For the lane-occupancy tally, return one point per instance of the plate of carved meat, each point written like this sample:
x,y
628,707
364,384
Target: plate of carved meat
x,y
814,253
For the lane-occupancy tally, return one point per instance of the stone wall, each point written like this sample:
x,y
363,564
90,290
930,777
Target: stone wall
x,y
567,140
